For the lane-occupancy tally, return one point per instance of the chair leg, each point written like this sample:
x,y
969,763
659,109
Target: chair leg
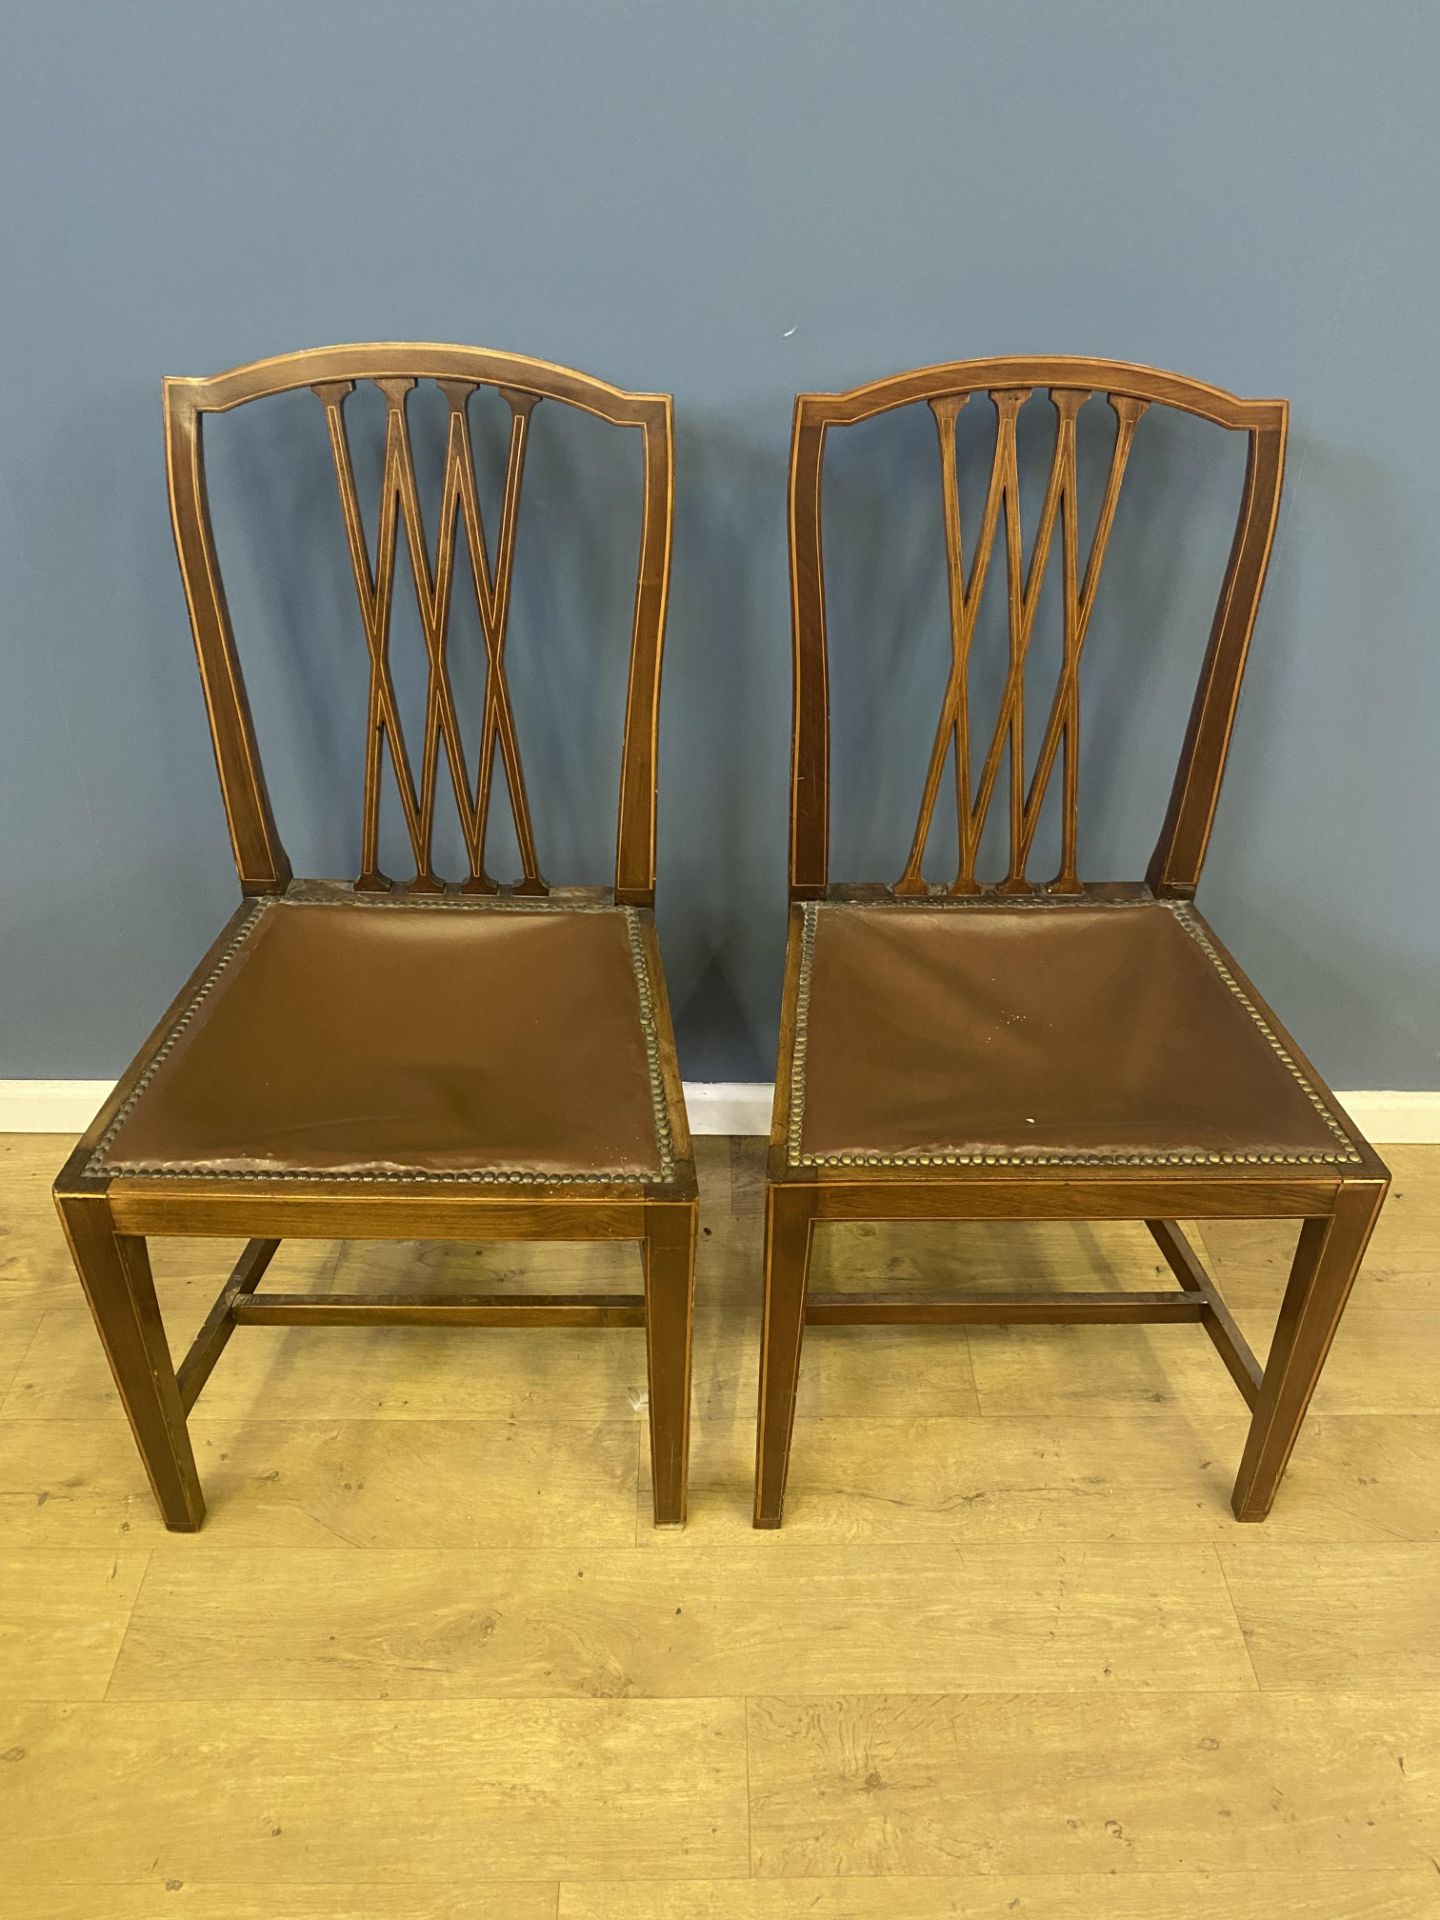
x,y
669,1313
114,1270
789,1214
1326,1262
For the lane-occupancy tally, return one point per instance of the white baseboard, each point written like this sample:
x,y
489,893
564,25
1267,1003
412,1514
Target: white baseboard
x,y
729,1106
1391,1119
1395,1119
715,1106
51,1106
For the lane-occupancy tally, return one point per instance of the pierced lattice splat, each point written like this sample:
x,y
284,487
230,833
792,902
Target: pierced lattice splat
x,y
1023,584
374,586
395,368
1010,381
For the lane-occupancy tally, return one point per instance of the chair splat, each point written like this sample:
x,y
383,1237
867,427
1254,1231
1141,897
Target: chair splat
x,y
374,586
981,755
1024,582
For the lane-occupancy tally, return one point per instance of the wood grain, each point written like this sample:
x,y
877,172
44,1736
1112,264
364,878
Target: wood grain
x,y
174,1899
62,1617
1361,1375
1062,1254
1090,1370
1332,1616
1128,1477
35,1269
1401,1895
18,1327
1014,1619
339,1791
1416,1171
360,1373
36,1272
301,1626
308,1483
1140,1783
453,1266
846,1373
747,1175
1251,1260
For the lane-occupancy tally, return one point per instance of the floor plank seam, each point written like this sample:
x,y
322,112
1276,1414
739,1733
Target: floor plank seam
x,y
124,1633
749,1799
1216,1549
13,1382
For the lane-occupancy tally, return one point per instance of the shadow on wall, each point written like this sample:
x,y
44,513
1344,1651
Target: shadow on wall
x,y
725,743
107,763
1357,960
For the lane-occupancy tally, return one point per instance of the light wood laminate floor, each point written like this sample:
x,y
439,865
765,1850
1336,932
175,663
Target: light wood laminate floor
x,y
1009,1655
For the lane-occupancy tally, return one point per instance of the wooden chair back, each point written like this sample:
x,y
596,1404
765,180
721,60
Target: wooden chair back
x,y
1180,852
332,373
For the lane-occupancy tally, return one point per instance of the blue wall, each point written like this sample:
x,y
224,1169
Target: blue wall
x,y
728,202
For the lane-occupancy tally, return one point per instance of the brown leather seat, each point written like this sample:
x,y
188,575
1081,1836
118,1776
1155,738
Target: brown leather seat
x,y
960,1034
456,1039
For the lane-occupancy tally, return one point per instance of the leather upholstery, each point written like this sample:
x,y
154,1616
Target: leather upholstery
x,y
1056,1034
455,1040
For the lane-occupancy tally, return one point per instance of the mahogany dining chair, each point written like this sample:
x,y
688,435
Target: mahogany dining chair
x,y
1061,1051
417,1060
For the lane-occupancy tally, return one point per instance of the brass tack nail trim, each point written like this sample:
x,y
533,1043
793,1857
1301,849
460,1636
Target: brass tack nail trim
x,y
301,896
1187,918
1345,1153
96,1163
659,1107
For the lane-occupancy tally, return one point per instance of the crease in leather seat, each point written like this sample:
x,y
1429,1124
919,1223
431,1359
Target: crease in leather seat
x,y
450,1040
959,1033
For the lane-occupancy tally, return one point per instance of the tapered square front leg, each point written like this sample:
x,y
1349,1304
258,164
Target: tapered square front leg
x,y
114,1270
669,1315
789,1217
1326,1262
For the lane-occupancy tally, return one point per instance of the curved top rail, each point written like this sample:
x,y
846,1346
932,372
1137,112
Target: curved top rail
x,y
331,373
414,360
1049,370
1009,382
